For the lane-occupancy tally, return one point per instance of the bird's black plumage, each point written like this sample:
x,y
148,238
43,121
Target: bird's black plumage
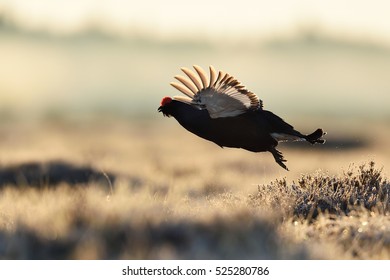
x,y
252,128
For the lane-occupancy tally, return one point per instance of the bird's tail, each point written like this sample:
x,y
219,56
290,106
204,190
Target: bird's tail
x,y
316,137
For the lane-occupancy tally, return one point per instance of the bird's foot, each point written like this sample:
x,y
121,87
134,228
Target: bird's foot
x,y
279,158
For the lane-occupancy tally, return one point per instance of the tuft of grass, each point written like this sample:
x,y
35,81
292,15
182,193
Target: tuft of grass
x,y
337,217
361,187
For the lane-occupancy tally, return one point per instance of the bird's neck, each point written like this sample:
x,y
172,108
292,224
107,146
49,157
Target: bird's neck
x,y
186,114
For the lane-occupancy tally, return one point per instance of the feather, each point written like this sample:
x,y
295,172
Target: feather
x,y
202,75
282,137
183,99
222,95
193,77
220,74
183,89
187,83
224,78
212,76
229,81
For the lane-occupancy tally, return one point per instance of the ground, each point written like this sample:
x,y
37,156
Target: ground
x,y
115,188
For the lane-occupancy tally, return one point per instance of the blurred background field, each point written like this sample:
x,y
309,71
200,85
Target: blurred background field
x,y
89,169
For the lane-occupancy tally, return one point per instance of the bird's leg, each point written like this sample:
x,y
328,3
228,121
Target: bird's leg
x,y
278,157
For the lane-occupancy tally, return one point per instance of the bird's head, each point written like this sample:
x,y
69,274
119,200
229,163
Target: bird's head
x,y
165,106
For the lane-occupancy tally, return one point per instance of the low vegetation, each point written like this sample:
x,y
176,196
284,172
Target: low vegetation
x,y
349,212
150,200
311,195
319,217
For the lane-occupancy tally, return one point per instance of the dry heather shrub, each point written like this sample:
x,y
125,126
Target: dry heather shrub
x,y
358,188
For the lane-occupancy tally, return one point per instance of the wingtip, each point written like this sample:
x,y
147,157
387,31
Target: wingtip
x,y
212,75
182,88
190,74
202,74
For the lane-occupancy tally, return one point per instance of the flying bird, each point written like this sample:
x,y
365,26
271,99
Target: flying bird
x,y
220,109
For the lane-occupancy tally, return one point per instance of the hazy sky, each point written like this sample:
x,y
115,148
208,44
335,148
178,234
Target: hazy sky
x,y
368,19
46,73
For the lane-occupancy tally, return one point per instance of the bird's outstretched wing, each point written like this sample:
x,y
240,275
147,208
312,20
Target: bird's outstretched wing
x,y
222,95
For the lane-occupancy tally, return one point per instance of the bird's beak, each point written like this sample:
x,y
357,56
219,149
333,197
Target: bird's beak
x,y
160,109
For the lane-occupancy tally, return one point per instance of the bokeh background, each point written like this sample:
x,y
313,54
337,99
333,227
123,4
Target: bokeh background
x,y
90,169
315,64
303,58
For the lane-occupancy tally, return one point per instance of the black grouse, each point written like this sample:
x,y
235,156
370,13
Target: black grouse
x,y
220,109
